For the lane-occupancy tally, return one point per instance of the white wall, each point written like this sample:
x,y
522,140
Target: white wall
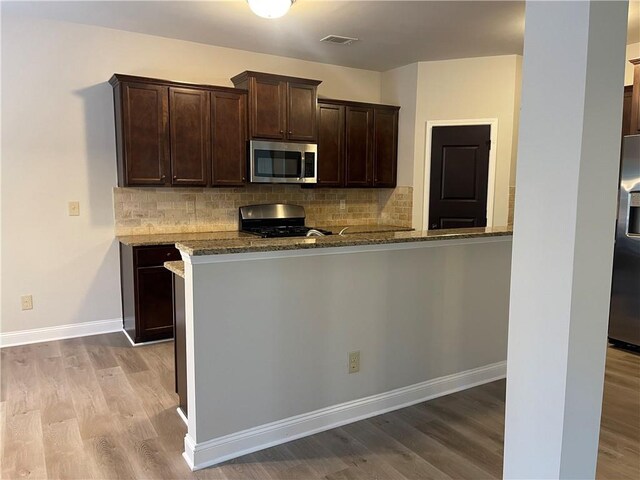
x,y
400,87
470,88
414,314
563,242
58,144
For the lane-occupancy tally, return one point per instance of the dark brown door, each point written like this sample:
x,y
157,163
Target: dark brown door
x,y
330,145
359,147
301,112
385,144
190,136
229,137
145,134
459,176
155,303
268,108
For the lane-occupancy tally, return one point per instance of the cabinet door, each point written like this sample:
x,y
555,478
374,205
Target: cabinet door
x,y
154,312
267,109
190,136
330,145
385,146
626,110
145,134
301,112
229,138
359,148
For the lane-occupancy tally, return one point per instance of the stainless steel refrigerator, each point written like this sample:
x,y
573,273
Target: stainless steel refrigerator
x,y
624,316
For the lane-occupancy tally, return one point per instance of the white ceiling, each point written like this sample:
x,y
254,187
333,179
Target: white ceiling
x,y
391,33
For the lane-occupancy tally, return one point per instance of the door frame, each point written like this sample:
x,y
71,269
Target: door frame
x,y
491,180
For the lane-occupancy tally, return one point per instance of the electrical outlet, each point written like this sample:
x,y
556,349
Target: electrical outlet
x,y
343,204
191,206
27,302
354,362
74,209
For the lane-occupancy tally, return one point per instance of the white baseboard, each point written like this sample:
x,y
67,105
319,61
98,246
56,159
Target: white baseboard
x,y
211,452
182,416
144,344
48,334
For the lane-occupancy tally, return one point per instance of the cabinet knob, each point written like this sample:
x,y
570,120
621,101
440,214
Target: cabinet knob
x,y
163,177
290,132
281,132
175,177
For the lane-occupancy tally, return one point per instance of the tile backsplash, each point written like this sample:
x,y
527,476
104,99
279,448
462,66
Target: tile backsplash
x,y
178,210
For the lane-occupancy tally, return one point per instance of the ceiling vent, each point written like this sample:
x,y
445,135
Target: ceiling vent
x,y
339,40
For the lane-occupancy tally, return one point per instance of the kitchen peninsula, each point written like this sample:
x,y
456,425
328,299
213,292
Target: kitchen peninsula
x,y
270,325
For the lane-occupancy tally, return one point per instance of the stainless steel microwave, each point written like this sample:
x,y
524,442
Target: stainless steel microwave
x,y
281,162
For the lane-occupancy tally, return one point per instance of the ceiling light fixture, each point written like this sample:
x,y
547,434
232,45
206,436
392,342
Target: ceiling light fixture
x,y
270,8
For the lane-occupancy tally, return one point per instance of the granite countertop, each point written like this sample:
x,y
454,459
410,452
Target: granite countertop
x,y
352,229
253,244
176,267
171,238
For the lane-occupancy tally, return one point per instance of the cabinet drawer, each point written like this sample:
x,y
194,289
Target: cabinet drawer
x,y
155,256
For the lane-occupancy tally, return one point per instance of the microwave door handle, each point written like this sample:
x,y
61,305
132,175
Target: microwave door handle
x,y
302,160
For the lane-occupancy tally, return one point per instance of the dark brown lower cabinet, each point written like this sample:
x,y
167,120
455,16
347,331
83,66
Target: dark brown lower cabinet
x,y
180,342
147,291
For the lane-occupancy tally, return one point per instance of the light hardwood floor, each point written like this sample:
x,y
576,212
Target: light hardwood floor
x,y
95,407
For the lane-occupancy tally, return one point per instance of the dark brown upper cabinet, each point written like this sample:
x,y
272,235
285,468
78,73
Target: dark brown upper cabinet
x,y
189,125
357,144
178,134
279,107
229,131
634,128
331,130
626,110
385,146
142,135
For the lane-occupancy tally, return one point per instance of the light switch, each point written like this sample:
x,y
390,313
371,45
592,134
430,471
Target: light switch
x,y
74,209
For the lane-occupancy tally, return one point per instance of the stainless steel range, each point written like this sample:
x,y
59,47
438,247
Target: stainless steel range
x,y
276,220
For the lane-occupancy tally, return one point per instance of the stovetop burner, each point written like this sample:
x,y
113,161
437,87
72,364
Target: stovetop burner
x,y
275,220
